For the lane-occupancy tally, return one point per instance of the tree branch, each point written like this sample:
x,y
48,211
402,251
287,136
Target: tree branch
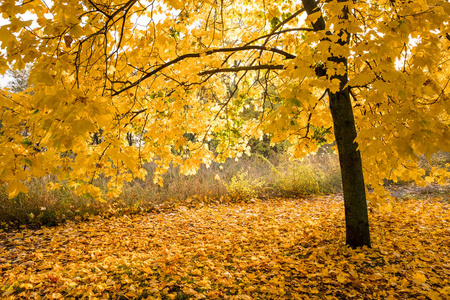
x,y
288,19
98,9
247,68
208,52
279,32
311,7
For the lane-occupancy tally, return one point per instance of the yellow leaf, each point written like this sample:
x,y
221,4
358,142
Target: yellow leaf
x,y
177,4
44,77
314,16
419,278
196,272
335,85
27,286
341,278
433,295
5,34
76,31
429,179
190,292
82,126
172,296
387,207
14,188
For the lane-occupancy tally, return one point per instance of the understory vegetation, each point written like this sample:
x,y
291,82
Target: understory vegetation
x,y
241,180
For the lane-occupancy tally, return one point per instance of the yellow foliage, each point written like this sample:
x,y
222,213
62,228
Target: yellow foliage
x,y
186,75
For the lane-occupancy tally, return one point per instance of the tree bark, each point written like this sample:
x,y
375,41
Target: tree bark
x,y
356,216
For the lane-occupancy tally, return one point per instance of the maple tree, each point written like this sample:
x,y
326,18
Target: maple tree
x,y
179,74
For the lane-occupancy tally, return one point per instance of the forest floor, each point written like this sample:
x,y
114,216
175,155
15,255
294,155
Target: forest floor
x,y
411,191
271,249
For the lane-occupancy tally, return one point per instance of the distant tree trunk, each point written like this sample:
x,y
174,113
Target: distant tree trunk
x,y
130,138
97,137
356,216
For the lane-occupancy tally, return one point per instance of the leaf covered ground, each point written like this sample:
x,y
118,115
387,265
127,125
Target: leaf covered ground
x,y
278,249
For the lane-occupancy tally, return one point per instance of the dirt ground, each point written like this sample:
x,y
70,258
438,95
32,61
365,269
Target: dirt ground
x,y
413,191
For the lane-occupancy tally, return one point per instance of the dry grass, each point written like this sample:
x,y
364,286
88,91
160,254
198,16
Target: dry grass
x,y
240,180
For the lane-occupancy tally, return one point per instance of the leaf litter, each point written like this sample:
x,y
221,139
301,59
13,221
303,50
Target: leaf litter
x,y
272,249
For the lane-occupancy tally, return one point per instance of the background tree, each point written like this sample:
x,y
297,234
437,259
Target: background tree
x,y
19,79
166,70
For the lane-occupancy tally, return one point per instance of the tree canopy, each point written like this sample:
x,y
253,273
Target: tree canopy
x,y
180,74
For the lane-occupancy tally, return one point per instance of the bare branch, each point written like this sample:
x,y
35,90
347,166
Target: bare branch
x,y
288,19
98,9
208,52
279,32
247,68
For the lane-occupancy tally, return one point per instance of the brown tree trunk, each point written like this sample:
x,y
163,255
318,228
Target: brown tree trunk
x,y
356,216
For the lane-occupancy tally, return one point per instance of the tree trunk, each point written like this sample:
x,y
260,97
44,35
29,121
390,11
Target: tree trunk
x,y
356,216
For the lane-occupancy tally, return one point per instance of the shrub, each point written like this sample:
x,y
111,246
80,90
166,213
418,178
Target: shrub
x,y
241,188
297,180
42,207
